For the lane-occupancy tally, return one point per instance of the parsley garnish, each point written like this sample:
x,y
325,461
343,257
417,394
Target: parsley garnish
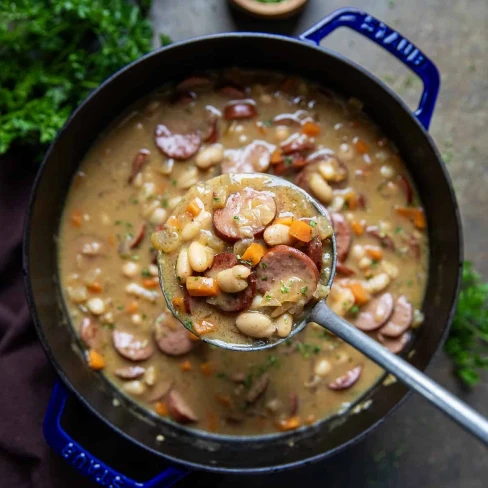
x,y
304,290
284,288
354,310
312,223
145,273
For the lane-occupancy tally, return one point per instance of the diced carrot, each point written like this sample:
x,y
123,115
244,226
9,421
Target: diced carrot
x,y
361,296
311,129
289,424
276,156
283,220
416,215
178,303
213,422
374,252
203,326
361,146
173,222
192,336
224,400
95,287
77,218
254,253
186,366
150,282
132,307
161,409
200,286
301,230
95,360
352,200
111,240
310,419
208,369
194,208
357,227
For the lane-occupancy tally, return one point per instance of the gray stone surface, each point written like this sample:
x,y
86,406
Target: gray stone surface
x,y
416,446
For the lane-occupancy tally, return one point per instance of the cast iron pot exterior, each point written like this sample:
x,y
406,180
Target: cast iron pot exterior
x,y
183,445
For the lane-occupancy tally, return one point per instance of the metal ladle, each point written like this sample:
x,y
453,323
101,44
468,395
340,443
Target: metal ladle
x,y
322,315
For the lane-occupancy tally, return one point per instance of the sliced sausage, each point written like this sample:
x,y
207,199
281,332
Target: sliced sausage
x,y
138,236
193,83
179,409
346,380
171,336
138,164
90,247
287,119
343,235
344,270
300,143
90,332
177,146
158,391
130,372
406,188
294,404
230,302
258,388
413,246
394,345
375,313
314,251
281,263
401,319
130,347
289,164
187,302
240,110
210,133
226,220
255,157
385,240
232,90
183,98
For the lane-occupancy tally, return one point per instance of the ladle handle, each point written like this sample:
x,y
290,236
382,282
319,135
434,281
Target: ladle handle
x,y
463,414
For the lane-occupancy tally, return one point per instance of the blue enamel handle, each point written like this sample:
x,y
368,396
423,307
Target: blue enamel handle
x,y
404,50
85,463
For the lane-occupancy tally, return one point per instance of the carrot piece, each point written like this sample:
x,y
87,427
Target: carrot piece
x,y
361,146
77,218
311,129
132,307
111,240
208,369
150,282
284,220
357,227
224,400
173,222
95,287
203,327
193,337
161,409
276,156
416,215
95,360
301,230
194,207
374,252
213,422
289,424
310,419
254,253
200,286
178,304
361,296
186,366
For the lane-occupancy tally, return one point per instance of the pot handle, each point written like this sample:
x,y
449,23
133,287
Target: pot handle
x,y
404,50
84,462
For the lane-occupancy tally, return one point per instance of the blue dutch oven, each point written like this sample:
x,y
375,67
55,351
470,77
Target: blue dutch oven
x,y
182,447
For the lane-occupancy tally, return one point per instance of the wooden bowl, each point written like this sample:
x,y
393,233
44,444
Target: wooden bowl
x,y
279,10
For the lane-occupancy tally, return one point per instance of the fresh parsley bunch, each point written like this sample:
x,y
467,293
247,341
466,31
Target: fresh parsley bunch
x,y
53,53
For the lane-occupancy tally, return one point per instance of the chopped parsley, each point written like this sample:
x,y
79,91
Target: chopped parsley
x,y
288,161
222,376
144,316
145,273
267,123
134,201
164,203
135,257
236,217
283,288
398,230
267,296
216,199
306,349
263,265
264,278
178,278
108,325
312,223
174,182
374,263
304,290
120,307
354,310
118,222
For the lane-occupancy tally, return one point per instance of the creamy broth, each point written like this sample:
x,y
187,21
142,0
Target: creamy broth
x,y
126,188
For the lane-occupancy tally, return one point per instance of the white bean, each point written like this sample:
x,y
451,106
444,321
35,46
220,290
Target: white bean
x,y
255,324
108,318
96,306
153,270
387,171
136,319
135,387
204,218
320,188
137,182
150,376
376,283
166,167
187,178
282,132
365,262
346,152
77,294
277,234
130,269
390,269
190,231
209,156
158,216
340,300
233,280
172,202
358,252
283,325
183,268
148,190
140,292
200,257
322,368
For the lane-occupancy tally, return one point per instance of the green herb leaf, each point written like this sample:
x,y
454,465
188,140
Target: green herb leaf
x,y
312,223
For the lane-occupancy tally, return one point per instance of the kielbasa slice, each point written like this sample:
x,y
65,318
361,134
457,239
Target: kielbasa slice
x,y
177,146
239,206
179,409
171,336
300,143
344,270
130,347
158,391
138,164
240,110
386,241
255,157
287,119
230,302
130,372
406,188
193,83
396,344
314,251
281,263
346,380
232,90
90,332
401,319
258,388
343,235
138,236
373,315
